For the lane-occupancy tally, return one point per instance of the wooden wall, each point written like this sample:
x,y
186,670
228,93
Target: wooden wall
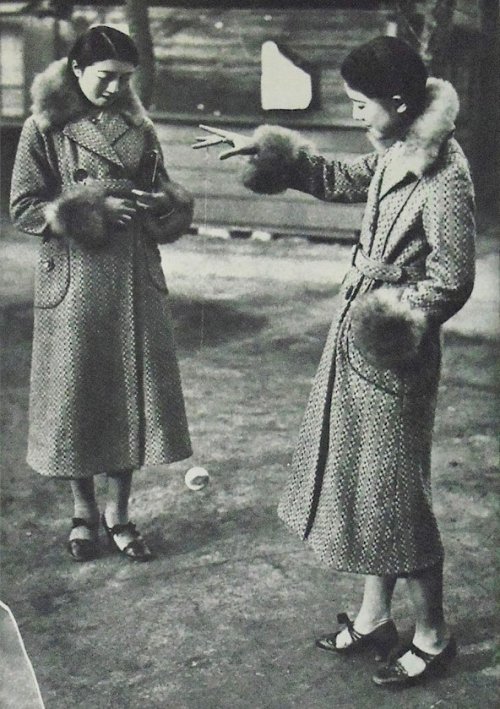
x,y
208,61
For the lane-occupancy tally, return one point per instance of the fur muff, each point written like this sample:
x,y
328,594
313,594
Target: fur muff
x,y
80,214
268,172
386,330
173,213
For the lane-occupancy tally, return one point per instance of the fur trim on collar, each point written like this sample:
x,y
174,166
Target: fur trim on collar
x,y
427,133
57,102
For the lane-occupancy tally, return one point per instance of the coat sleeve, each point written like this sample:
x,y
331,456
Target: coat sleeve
x,y
37,205
286,160
449,226
175,215
34,181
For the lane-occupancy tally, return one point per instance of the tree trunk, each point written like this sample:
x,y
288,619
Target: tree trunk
x,y
428,30
138,23
489,108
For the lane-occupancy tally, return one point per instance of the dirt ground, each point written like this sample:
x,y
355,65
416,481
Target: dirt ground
x,y
226,616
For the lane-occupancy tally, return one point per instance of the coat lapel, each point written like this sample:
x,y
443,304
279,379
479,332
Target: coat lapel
x,y
396,180
396,175
114,126
85,133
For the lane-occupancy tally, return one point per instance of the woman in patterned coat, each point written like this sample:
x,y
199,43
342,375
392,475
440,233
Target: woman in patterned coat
x,y
89,181
360,490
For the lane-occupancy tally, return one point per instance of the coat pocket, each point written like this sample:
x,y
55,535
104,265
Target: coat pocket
x,y
52,274
385,379
416,380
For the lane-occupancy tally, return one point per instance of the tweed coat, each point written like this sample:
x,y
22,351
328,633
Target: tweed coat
x,y
105,391
359,490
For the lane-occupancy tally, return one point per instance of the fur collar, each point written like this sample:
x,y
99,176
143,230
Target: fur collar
x,y
56,101
423,141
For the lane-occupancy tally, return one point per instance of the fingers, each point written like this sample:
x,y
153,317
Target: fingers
x,y
218,136
245,150
207,142
150,197
149,200
128,210
230,153
227,136
143,199
216,131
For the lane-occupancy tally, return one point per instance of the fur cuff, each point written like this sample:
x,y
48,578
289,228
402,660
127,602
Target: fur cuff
x,y
80,214
387,331
268,172
174,214
158,228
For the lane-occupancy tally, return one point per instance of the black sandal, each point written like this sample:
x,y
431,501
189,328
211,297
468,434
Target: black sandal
x,y
83,549
384,638
135,550
395,676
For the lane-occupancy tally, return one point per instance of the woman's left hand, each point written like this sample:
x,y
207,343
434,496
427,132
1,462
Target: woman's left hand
x,y
155,202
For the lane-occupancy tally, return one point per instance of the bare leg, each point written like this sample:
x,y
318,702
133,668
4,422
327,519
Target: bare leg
x,y
426,592
119,486
375,607
431,632
85,506
127,539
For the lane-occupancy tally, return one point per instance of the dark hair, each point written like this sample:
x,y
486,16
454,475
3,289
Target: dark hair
x,y
386,67
100,43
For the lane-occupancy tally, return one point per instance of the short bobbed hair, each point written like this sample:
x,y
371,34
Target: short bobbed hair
x,y
387,67
100,43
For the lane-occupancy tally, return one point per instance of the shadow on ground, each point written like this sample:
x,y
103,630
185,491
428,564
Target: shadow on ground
x,y
226,615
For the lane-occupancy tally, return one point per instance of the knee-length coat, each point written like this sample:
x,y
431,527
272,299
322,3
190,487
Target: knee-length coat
x,y
359,490
105,391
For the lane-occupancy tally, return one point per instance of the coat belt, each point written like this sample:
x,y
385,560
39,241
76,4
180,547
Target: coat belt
x,y
388,272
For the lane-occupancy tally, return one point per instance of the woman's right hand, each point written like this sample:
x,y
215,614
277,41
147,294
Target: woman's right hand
x,y
242,144
120,210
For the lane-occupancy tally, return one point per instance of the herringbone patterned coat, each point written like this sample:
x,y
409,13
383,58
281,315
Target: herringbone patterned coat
x,y
359,490
105,387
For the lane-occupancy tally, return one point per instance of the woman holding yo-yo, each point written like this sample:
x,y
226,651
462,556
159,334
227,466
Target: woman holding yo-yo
x,y
359,490
89,181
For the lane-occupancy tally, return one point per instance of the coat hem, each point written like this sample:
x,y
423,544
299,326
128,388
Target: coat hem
x,y
400,572
175,458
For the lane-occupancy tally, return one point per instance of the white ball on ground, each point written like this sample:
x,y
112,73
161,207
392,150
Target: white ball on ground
x,y
196,478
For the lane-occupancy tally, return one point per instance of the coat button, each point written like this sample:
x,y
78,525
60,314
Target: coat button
x,y
349,292
49,264
80,175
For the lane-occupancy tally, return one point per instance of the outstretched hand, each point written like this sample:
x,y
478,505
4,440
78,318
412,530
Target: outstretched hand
x,y
242,144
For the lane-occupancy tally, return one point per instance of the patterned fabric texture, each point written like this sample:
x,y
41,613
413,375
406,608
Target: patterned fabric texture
x,y
105,391
359,490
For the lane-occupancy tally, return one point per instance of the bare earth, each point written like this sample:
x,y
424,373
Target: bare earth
x,y
226,616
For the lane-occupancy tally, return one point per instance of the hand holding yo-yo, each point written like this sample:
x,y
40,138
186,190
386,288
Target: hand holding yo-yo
x,y
242,144
197,478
